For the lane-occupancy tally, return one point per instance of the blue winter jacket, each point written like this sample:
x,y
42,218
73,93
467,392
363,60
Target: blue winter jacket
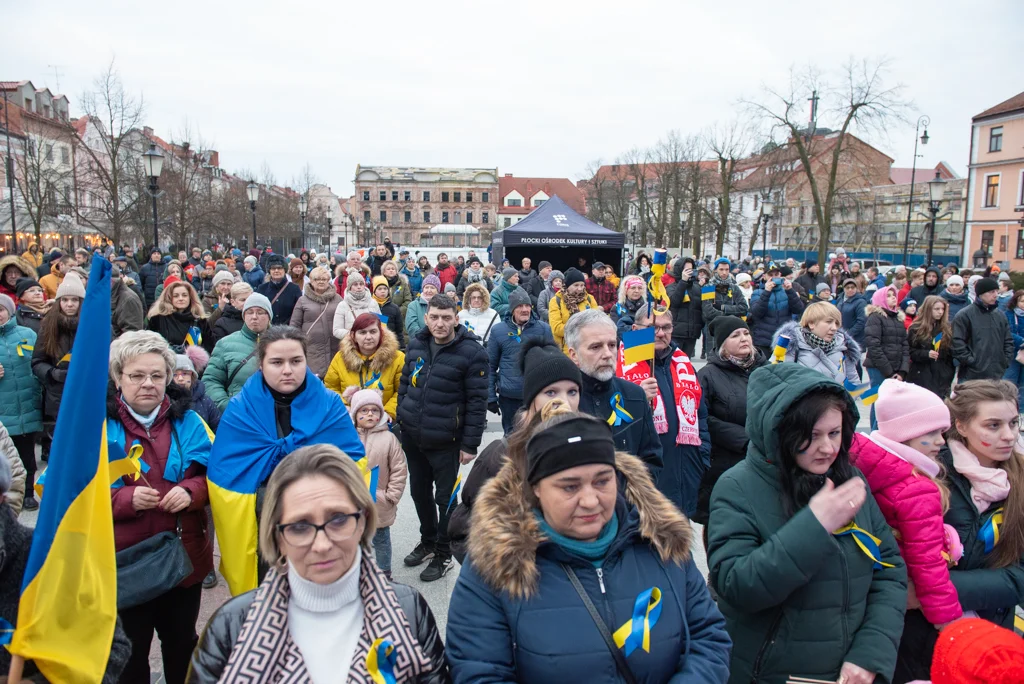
x,y
21,396
515,617
254,277
854,316
1016,328
685,464
957,302
770,310
503,346
415,279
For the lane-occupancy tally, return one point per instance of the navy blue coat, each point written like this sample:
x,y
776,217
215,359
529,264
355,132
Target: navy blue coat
x,y
505,377
636,436
854,316
770,310
957,302
254,277
285,304
1016,328
204,406
515,617
685,465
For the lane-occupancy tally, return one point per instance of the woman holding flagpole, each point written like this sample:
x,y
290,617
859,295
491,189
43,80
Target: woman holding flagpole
x,y
570,539
150,419
282,407
807,572
325,612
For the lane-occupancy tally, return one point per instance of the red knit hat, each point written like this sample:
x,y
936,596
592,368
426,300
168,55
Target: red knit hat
x,y
363,321
171,279
976,651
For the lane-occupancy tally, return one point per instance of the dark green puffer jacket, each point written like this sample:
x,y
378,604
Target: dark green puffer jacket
x,y
796,599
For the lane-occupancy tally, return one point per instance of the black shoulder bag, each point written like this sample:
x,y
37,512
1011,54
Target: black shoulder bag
x,y
620,660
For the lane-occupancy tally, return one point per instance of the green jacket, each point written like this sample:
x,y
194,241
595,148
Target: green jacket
x,y
499,297
415,317
227,359
796,599
401,293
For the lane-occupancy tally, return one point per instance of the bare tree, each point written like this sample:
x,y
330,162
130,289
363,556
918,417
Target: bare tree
x,y
108,166
187,191
858,100
728,144
608,195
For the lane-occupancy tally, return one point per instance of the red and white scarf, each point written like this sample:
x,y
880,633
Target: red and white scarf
x,y
685,389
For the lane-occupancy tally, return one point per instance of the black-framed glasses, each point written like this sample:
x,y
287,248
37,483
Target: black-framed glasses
x,y
339,528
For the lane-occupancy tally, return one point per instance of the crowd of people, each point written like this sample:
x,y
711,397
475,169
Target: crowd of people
x,y
284,404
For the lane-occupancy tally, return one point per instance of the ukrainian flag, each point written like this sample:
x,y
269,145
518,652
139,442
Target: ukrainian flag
x,y
69,592
869,397
707,293
638,345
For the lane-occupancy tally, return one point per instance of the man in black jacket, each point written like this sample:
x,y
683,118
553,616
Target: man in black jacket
x,y
982,342
685,305
151,275
282,293
442,411
932,286
810,278
593,344
537,284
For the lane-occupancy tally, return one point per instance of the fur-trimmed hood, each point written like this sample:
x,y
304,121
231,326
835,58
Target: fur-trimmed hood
x,y
794,332
27,270
504,534
480,288
381,359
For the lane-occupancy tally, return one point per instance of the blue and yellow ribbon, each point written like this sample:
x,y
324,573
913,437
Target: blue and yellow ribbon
x,y
370,476
636,633
416,372
375,378
990,531
454,499
23,347
868,543
618,412
518,335
194,337
381,661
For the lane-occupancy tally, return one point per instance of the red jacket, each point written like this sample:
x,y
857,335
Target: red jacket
x,y
447,275
131,526
604,293
912,506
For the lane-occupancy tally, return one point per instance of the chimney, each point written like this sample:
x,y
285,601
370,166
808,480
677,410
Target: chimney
x,y
215,158
147,131
508,175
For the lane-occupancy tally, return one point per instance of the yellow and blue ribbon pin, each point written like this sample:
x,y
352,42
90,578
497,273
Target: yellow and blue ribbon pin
x,y
23,347
868,543
990,531
381,661
416,371
375,379
619,413
636,633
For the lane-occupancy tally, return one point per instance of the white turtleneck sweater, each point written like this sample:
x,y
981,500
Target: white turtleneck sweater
x,y
325,621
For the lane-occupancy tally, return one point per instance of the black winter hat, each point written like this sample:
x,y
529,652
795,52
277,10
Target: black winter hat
x,y
573,275
581,440
985,285
543,363
723,326
23,284
276,260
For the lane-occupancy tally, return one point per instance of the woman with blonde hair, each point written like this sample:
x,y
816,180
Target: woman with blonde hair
x,y
819,341
178,315
930,339
325,612
314,315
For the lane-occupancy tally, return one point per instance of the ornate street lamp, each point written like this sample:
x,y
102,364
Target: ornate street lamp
x,y
923,121
153,164
302,215
936,191
253,191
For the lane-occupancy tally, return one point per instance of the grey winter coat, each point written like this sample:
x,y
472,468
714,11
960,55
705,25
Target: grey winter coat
x,y
314,315
840,363
544,298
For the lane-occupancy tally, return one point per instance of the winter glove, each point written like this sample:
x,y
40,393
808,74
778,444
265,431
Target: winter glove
x,y
493,408
59,375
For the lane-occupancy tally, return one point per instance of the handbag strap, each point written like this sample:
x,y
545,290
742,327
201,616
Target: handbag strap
x,y
620,660
177,445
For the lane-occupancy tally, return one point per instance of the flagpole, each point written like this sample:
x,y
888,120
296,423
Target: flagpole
x,y
17,667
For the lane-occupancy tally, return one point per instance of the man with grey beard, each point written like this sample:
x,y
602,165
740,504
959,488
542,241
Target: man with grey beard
x,y
590,336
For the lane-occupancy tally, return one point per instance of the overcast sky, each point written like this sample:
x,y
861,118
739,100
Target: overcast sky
x,y
533,88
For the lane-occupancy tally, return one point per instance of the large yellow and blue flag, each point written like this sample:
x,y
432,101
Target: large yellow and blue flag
x,y
69,592
707,293
656,293
869,397
638,345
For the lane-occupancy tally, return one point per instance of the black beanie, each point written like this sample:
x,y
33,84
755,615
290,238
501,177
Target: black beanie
x,y
580,440
23,284
543,363
572,275
985,285
723,326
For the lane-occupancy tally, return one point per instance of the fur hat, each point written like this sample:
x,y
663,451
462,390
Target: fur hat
x,y
906,411
199,357
276,261
71,286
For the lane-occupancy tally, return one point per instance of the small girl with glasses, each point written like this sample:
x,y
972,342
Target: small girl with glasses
x,y
384,452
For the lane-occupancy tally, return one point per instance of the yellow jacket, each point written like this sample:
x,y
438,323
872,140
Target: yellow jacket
x,y
350,369
558,316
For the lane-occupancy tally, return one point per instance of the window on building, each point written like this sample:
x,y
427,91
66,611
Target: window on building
x,y
444,217
366,216
508,222
394,195
426,216
1020,244
755,202
741,202
485,217
1002,243
469,196
408,217
65,156
444,196
995,139
513,202
987,238
801,213
366,195
469,217
408,195
383,217
458,196
485,197
992,190
538,202
49,153
426,195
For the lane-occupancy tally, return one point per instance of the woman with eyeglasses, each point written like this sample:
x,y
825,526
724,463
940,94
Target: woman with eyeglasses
x,y
325,612
145,408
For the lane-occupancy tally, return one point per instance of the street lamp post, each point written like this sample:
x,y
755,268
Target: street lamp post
x,y
922,121
936,191
253,191
684,215
303,205
153,162
330,218
767,209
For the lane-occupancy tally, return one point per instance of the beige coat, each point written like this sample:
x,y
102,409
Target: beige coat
x,y
15,496
348,310
314,315
385,452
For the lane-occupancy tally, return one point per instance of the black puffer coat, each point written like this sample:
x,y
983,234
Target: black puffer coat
x,y
885,338
684,303
222,632
229,321
53,373
724,387
769,311
935,375
175,326
447,407
150,276
982,343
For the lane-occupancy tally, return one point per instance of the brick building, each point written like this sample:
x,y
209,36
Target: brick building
x,y
519,196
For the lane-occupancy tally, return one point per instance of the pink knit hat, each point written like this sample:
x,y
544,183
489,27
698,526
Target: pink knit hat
x,y
365,397
906,411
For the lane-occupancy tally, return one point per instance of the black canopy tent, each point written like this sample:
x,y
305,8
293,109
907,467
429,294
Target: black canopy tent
x,y
554,232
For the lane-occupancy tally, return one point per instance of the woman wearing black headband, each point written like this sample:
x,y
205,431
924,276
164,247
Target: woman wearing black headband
x,y
579,569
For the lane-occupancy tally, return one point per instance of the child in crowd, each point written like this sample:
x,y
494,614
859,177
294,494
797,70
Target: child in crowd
x,y
899,460
909,307
383,451
395,322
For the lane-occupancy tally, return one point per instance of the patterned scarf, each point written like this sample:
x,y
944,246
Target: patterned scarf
x,y
742,362
573,300
265,651
821,344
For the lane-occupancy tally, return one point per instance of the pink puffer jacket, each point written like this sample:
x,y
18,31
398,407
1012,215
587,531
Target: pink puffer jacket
x,y
912,506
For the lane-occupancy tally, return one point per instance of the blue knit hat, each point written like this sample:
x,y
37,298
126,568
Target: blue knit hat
x,y
722,260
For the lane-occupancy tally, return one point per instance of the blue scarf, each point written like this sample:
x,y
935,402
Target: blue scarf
x,y
593,551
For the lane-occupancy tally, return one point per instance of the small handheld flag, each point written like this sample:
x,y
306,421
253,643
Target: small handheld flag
x,y
779,353
936,342
854,389
370,476
707,293
383,319
656,293
638,345
869,397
